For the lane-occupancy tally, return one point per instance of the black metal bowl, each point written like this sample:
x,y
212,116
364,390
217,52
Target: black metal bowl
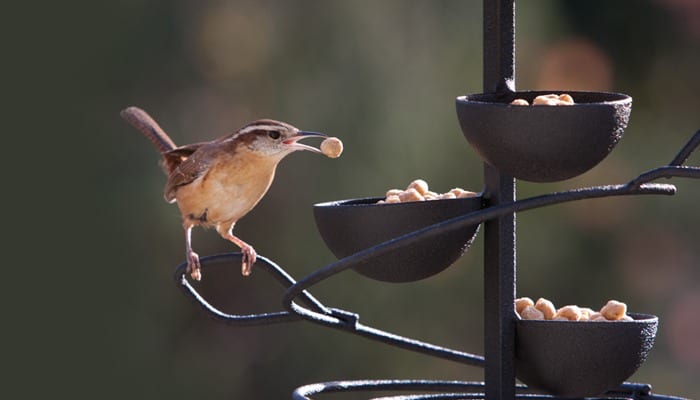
x,y
582,358
543,143
350,226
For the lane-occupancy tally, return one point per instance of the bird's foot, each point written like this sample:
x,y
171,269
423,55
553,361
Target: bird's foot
x,y
249,256
194,268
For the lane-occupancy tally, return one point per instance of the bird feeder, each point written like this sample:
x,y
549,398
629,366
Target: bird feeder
x,y
408,242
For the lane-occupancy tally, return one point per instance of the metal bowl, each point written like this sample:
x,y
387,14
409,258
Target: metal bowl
x,y
543,143
582,358
349,226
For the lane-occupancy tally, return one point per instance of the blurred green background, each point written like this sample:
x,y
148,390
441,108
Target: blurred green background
x,y
91,308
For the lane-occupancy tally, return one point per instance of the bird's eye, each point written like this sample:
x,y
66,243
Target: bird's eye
x,y
274,134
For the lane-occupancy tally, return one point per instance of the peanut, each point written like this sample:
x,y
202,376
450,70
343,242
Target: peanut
x,y
457,191
393,199
519,102
431,195
332,147
572,313
566,99
523,302
461,193
614,310
420,185
411,195
530,312
546,307
553,100
586,313
546,100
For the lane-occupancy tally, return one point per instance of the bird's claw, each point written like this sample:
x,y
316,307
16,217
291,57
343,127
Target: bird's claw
x,y
194,268
249,257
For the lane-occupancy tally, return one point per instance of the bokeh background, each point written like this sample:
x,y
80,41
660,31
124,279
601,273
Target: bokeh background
x,y
91,310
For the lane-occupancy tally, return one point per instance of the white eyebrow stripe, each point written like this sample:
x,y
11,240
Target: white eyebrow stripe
x,y
251,128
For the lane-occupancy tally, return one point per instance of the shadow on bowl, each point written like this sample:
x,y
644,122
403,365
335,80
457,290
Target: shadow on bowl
x,y
543,143
581,358
349,226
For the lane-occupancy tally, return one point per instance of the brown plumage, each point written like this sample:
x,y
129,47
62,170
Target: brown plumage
x,y
218,182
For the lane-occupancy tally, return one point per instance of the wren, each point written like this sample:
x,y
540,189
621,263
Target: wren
x,y
216,183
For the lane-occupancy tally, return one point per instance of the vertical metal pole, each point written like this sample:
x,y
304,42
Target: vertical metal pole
x,y
499,45
499,254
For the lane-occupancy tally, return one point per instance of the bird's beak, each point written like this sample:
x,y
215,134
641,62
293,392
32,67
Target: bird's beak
x,y
294,141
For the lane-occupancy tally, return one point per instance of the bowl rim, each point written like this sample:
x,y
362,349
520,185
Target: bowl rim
x,y
637,318
372,202
616,98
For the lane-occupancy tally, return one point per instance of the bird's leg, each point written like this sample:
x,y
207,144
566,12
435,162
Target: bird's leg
x,y
249,254
193,265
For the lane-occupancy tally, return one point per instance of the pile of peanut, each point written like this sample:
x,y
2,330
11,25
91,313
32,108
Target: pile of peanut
x,y
544,309
418,191
547,100
332,147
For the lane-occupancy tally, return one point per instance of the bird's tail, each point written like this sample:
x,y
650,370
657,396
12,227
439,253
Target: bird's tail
x,y
149,127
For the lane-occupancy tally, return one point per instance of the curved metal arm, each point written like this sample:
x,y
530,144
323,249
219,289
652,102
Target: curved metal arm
x,y
250,319
674,168
317,312
687,150
665,172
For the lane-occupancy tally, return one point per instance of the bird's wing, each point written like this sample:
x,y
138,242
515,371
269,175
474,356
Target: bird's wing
x,y
190,166
173,158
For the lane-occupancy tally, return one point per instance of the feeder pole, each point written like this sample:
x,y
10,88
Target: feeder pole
x,y
499,233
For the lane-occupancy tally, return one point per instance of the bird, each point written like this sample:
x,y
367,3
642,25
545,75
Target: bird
x,y
216,183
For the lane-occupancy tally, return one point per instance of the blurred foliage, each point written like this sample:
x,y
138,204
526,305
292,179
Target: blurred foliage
x,y
95,312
